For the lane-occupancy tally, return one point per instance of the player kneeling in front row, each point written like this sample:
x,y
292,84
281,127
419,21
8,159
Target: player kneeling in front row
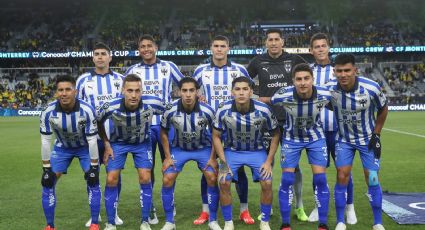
x,y
131,115
74,123
303,103
192,141
242,119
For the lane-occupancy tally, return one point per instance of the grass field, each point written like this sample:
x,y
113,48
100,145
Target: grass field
x,y
20,190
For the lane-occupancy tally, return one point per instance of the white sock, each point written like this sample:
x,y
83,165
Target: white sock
x,y
205,208
243,207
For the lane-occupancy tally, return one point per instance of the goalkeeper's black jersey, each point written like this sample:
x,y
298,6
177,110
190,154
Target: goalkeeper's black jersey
x,y
273,74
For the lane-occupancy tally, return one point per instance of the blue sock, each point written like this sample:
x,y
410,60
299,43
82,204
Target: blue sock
x,y
48,200
145,200
322,196
95,196
226,210
286,195
265,211
242,186
340,195
375,198
204,190
119,188
350,190
214,195
111,199
167,195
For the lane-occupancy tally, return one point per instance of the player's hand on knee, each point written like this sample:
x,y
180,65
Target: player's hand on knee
x,y
92,176
108,153
223,172
48,178
375,145
266,170
168,162
212,162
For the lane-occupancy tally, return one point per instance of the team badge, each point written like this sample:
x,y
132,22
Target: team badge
x,y
287,65
234,75
82,123
117,85
202,122
164,70
319,106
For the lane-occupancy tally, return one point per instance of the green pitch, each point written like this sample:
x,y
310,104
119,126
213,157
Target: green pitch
x,y
20,189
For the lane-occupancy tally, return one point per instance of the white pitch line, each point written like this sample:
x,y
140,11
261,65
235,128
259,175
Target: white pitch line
x,y
402,132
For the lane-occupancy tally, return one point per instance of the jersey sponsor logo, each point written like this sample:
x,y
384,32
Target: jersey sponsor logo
x,y
221,97
151,83
105,97
153,91
276,76
348,112
277,84
221,88
304,122
349,121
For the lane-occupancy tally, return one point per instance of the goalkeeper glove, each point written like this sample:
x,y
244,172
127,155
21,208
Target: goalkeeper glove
x,y
375,145
48,178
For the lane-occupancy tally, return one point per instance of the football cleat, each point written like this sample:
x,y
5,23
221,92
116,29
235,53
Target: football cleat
x,y
145,226
340,226
169,226
109,226
204,217
213,225
94,227
246,217
301,216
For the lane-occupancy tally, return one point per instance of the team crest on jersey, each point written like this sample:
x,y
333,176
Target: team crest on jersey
x,y
234,75
167,105
221,105
287,65
82,123
281,91
363,102
257,123
202,122
319,106
146,114
117,85
164,70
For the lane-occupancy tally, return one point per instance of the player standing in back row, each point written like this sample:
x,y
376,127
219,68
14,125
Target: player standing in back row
x,y
157,78
273,70
323,72
215,79
97,87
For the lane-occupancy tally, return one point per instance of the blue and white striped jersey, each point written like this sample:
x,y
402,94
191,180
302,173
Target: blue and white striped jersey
x,y
322,75
71,129
244,131
190,129
216,82
302,123
355,110
97,89
131,126
157,80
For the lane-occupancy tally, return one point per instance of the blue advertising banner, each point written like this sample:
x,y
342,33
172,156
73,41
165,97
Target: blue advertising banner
x,y
404,208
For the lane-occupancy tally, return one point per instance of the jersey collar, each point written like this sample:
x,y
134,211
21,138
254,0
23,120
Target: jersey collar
x,y
157,61
228,64
180,108
93,73
76,108
251,106
323,66
313,95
